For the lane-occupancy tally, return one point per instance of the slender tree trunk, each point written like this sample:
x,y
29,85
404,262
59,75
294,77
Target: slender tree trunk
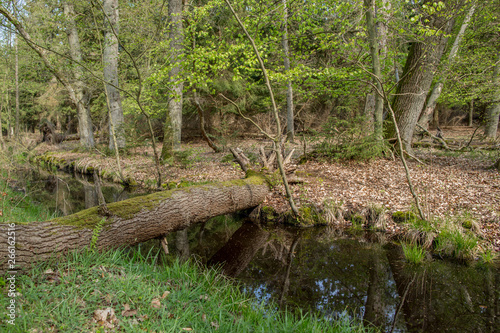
x,y
382,27
471,113
173,124
1,129
376,68
81,95
289,91
493,112
16,77
418,74
430,105
110,60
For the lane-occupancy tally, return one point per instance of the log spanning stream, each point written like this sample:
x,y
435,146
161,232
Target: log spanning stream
x,y
324,270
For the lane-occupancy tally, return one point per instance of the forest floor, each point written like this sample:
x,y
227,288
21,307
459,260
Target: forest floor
x,y
450,185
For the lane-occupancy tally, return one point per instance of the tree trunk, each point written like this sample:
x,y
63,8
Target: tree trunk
x,y
130,221
493,112
81,95
173,124
412,89
1,129
289,91
110,59
471,113
376,68
430,105
16,77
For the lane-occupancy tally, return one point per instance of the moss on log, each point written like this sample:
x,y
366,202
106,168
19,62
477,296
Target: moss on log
x,y
131,221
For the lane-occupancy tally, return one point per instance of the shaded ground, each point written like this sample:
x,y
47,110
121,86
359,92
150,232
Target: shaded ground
x,y
449,184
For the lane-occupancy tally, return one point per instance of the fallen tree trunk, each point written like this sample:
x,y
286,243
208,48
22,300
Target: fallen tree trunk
x,y
126,222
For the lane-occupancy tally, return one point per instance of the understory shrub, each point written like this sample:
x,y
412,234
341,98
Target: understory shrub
x,y
348,140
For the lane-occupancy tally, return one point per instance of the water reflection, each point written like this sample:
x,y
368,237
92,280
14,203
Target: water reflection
x,y
67,194
333,274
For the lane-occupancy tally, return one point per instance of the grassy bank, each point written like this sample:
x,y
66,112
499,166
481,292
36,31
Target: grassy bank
x,y
124,291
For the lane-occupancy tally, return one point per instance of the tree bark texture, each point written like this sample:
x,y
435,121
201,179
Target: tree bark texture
x,y
130,221
289,91
431,102
493,112
376,68
110,59
173,124
16,75
81,95
422,60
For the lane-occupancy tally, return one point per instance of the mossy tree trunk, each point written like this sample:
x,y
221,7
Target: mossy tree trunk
x,y
130,221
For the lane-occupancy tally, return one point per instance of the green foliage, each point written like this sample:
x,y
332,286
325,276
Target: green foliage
x,y
348,140
455,243
488,257
95,234
414,253
357,219
184,158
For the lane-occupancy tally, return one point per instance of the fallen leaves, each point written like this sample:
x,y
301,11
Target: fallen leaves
x,y
127,312
105,318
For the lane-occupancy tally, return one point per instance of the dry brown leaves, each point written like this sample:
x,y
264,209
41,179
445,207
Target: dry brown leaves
x,y
447,186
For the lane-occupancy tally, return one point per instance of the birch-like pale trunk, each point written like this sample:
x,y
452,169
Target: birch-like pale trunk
x,y
81,95
110,60
493,112
289,91
16,78
173,123
376,68
431,102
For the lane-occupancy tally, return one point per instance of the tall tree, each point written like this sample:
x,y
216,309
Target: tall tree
x,y
493,111
110,59
81,94
423,58
16,78
289,91
173,124
376,68
431,102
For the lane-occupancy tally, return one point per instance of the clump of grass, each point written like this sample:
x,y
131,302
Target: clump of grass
x,y
414,253
453,242
145,297
488,257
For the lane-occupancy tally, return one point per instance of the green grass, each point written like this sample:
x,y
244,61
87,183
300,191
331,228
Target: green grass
x,y
457,244
17,206
176,297
414,253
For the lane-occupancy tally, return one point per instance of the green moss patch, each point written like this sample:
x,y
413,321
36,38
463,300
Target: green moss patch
x,y
127,209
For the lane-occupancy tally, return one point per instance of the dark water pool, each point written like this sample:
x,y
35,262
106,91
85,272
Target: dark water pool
x,y
334,274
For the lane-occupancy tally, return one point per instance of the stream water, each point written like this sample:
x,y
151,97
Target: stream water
x,y
327,271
